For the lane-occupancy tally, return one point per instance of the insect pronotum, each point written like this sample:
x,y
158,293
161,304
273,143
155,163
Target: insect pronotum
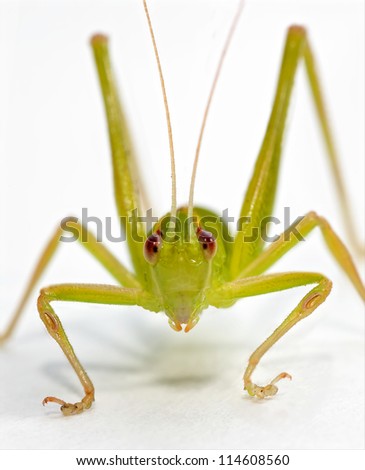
x,y
188,262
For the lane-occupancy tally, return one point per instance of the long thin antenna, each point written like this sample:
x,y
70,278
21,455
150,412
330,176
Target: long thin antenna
x,y
215,80
168,120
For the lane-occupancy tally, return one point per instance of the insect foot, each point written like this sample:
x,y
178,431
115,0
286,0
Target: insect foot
x,y
269,390
69,409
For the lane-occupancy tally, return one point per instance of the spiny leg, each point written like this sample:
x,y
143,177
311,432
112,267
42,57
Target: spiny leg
x,y
291,237
260,195
92,293
107,259
263,284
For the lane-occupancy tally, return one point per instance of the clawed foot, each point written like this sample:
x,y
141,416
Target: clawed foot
x,y
69,409
269,390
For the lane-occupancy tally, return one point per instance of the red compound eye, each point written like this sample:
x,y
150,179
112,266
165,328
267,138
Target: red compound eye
x,y
207,242
152,248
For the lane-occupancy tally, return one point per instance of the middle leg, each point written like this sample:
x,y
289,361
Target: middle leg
x,y
290,238
99,251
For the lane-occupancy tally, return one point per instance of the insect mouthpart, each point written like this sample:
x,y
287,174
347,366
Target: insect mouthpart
x,y
177,326
183,315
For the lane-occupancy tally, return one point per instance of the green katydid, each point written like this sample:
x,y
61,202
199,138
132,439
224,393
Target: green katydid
x,y
182,276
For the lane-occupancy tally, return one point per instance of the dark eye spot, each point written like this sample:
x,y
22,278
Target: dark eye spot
x,y
207,242
152,247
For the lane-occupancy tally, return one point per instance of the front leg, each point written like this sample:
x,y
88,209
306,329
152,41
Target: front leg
x,y
102,294
55,329
258,285
307,305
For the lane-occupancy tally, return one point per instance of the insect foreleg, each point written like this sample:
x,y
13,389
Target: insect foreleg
x,y
102,294
263,284
307,305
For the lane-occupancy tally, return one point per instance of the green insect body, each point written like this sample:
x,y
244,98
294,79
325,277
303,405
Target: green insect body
x,y
187,263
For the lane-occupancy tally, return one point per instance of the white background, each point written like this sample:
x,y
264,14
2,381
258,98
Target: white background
x,y
156,388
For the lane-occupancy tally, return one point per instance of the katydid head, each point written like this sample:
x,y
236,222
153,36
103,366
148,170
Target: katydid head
x,y
181,267
182,262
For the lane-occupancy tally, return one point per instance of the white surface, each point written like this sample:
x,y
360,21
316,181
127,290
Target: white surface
x,y
156,388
